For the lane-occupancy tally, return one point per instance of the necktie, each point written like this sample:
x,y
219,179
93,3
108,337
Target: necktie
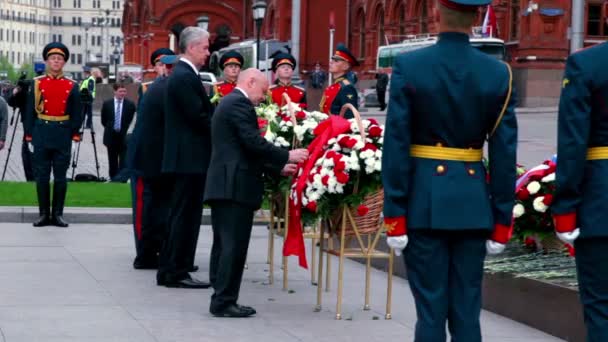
x,y
117,115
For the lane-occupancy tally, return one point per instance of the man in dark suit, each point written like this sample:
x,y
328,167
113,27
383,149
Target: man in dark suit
x,y
116,117
235,186
151,194
186,153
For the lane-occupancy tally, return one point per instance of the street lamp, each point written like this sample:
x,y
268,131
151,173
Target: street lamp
x,y
259,12
203,22
116,55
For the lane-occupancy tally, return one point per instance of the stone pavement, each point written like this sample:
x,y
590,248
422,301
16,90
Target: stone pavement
x,y
77,284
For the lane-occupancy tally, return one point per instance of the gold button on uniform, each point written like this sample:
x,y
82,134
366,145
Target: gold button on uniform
x,y
471,172
440,169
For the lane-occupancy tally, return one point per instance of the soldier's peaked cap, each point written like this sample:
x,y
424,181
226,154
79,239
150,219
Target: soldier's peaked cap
x,y
343,53
157,54
283,58
464,5
55,48
231,57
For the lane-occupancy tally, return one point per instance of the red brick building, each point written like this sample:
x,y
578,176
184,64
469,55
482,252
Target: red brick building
x,y
535,32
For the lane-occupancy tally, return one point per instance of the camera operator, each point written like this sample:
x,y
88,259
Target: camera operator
x,y
18,100
87,93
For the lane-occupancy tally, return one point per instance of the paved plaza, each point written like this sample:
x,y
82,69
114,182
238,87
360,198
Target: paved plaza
x,y
77,284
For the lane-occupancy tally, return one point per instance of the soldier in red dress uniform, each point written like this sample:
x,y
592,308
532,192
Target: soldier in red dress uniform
x,y
231,63
283,65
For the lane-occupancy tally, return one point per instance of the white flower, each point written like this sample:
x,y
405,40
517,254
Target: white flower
x,y
340,188
381,140
370,161
281,142
518,210
369,169
269,136
366,123
549,178
299,131
533,187
539,205
314,196
378,166
284,129
332,141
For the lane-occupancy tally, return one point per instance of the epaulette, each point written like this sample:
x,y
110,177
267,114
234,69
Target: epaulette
x,y
345,82
69,79
39,77
218,83
147,83
273,86
299,88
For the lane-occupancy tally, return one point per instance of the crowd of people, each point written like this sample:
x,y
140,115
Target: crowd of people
x,y
441,211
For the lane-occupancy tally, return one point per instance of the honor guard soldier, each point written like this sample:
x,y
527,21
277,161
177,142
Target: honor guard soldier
x,y
442,108
341,91
159,69
230,63
53,118
149,194
580,206
283,65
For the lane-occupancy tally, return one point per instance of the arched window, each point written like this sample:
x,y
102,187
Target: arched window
x,y
361,21
380,26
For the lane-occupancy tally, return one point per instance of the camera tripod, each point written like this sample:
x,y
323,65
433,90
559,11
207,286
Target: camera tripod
x,y
76,152
10,146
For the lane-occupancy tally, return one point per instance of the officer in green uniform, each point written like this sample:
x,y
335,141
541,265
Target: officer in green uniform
x,y
443,107
580,206
52,120
342,90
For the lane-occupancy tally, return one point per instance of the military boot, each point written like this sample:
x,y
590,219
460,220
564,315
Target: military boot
x,y
59,192
43,191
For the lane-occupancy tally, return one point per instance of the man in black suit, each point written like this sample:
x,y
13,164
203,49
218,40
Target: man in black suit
x,y
235,186
116,117
186,153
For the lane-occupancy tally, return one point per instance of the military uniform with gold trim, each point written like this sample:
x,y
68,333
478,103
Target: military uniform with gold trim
x,y
341,91
295,93
580,204
437,202
52,120
223,88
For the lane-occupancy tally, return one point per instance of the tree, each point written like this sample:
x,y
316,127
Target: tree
x,y
7,70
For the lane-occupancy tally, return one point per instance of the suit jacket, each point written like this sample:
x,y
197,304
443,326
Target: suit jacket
x,y
240,154
187,134
581,196
443,95
148,135
108,115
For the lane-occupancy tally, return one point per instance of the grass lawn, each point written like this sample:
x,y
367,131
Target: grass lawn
x,y
106,195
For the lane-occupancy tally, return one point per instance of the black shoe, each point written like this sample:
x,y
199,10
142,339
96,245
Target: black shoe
x,y
145,265
59,222
188,284
234,311
43,221
194,268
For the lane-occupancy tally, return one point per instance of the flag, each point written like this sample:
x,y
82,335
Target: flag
x,y
490,27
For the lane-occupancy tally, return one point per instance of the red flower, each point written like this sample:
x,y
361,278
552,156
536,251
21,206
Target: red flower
x,y
339,165
347,142
312,206
375,131
285,118
342,177
330,154
374,122
362,210
523,194
325,180
547,200
370,146
530,242
300,115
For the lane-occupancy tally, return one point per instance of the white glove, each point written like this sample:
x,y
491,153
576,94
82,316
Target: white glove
x,y
493,247
569,237
397,243
30,147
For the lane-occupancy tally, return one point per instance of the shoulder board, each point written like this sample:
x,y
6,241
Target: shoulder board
x,y
218,83
39,77
273,86
345,82
299,88
69,79
147,83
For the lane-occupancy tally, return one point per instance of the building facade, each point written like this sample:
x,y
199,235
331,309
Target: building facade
x,y
89,28
535,33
